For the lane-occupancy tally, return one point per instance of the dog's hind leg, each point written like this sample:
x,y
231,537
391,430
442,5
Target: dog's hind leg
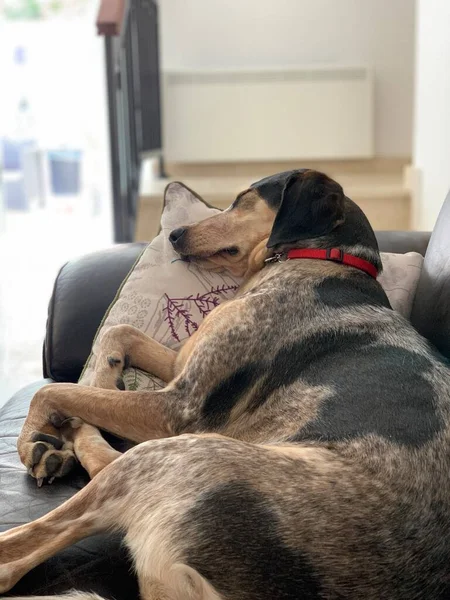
x,y
205,518
26,546
90,447
140,493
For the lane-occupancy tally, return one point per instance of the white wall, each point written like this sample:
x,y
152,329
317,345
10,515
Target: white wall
x,y
377,33
431,153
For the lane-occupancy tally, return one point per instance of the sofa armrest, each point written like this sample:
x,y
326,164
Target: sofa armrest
x,y
83,290
401,242
431,309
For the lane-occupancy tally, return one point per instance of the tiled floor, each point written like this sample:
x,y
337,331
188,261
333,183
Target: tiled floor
x,y
32,250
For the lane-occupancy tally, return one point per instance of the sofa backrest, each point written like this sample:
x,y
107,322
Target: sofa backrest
x,y
431,309
83,290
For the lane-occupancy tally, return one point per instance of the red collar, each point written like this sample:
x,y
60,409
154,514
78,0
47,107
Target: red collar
x,y
333,254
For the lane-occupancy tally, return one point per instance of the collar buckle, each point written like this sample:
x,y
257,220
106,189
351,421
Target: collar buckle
x,y
335,255
279,257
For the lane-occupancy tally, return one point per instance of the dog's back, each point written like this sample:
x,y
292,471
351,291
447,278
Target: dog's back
x,y
358,405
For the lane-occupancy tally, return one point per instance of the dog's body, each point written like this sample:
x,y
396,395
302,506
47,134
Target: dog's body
x,y
315,461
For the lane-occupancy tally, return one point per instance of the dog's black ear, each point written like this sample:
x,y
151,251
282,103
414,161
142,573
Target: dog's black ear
x,y
311,206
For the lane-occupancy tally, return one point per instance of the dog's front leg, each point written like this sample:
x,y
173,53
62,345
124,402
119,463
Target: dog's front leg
x,y
124,345
203,397
136,416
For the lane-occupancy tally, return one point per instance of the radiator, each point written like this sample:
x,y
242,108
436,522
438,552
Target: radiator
x,y
268,115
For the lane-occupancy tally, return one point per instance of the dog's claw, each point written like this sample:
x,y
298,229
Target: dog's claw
x,y
39,482
73,422
51,480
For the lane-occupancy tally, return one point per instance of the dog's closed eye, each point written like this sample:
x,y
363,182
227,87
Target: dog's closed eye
x,y
233,251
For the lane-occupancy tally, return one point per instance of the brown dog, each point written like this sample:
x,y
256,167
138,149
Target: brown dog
x,y
301,446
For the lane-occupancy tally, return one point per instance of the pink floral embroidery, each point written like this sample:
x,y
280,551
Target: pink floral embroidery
x,y
182,308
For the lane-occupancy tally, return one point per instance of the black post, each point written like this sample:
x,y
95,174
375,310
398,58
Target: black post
x,y
133,79
114,141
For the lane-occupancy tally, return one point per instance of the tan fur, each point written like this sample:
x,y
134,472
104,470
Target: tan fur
x,y
246,226
91,448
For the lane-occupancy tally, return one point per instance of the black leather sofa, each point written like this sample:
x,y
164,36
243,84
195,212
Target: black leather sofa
x,y
83,290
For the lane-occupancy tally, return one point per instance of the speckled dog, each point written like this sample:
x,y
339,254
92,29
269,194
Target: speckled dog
x,y
301,449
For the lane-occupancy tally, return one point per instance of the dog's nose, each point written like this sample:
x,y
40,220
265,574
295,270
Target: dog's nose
x,y
176,235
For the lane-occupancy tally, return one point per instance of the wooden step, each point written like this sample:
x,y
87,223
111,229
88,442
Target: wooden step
x,y
380,193
331,167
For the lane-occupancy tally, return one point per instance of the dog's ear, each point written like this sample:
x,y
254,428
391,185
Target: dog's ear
x,y
311,206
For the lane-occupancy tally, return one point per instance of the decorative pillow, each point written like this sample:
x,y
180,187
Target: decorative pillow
x,y
168,298
162,295
399,279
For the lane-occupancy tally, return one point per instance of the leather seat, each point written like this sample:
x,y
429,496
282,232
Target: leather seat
x,y
83,290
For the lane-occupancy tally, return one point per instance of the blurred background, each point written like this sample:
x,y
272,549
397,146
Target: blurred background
x,y
55,198
103,102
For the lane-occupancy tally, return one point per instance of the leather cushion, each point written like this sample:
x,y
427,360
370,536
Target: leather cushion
x,y
83,290
99,563
401,242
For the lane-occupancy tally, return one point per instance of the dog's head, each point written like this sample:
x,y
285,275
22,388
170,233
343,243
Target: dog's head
x,y
301,208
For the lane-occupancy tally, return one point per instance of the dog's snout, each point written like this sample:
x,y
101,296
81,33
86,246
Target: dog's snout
x,y
176,235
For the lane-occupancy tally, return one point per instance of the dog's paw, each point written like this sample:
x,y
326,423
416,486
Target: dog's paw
x,y
108,371
47,457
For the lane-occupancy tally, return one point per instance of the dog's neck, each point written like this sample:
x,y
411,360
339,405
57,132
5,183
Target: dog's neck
x,y
259,262
257,258
335,255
